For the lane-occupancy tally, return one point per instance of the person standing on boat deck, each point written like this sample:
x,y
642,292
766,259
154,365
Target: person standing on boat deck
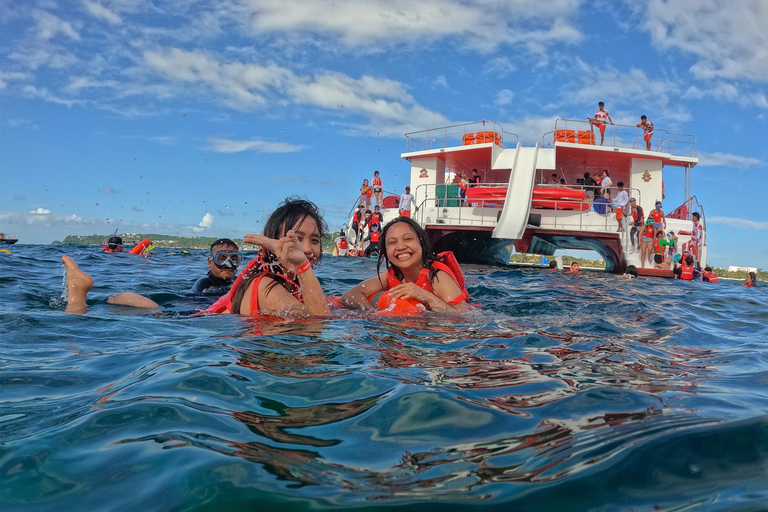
x,y
555,180
622,199
599,120
605,184
647,127
357,219
407,201
366,193
637,224
696,238
378,190
589,187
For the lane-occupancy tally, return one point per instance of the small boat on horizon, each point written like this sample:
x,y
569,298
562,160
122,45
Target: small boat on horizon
x,y
8,239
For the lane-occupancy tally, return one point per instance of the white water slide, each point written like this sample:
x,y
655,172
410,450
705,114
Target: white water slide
x,y
517,207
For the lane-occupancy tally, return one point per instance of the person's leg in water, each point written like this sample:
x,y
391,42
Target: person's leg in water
x,y
79,284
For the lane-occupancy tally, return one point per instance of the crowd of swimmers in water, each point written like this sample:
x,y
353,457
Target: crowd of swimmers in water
x,y
281,280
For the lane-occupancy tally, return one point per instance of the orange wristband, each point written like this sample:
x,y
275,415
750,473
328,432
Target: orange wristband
x,y
302,268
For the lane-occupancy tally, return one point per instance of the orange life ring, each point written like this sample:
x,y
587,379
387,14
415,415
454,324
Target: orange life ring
x,y
467,139
141,246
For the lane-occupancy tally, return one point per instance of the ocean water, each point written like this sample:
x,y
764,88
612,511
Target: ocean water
x,y
561,392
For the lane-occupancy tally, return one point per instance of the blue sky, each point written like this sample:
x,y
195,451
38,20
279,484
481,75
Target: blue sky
x,y
198,116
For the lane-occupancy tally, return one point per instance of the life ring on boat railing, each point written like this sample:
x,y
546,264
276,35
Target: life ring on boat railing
x,y
562,204
487,136
467,139
141,247
559,193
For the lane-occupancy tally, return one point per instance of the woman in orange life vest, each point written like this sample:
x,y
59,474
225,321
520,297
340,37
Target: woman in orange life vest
x,y
412,273
281,280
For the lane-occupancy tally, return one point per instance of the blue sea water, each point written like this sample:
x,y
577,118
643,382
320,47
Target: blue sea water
x,y
561,392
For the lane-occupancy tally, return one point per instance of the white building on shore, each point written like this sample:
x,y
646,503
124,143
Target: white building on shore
x,y
742,269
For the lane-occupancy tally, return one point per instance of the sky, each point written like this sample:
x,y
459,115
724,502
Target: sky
x,y
197,117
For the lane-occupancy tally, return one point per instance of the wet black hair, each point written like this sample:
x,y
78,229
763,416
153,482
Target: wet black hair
x,y
553,264
224,242
707,269
115,240
632,270
753,277
689,260
286,216
426,248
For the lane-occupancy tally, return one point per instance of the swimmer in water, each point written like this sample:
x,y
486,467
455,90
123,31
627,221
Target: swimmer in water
x,y
281,279
79,284
574,269
750,281
222,263
412,272
115,244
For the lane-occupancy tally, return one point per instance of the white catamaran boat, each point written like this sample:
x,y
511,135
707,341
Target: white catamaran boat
x,y
516,203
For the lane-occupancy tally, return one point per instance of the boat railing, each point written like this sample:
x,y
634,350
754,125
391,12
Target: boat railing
x,y
444,204
465,134
620,136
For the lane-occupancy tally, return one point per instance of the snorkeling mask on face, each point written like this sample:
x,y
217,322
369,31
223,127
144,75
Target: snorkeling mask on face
x,y
658,207
227,259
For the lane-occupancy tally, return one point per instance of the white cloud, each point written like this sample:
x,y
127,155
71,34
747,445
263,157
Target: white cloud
x,y
259,146
727,160
500,67
729,39
207,221
41,211
739,223
9,76
76,83
33,92
441,81
99,11
727,92
479,25
529,129
165,140
49,26
504,97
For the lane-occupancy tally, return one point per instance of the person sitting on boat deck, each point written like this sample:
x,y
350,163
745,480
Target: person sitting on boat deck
x,y
223,261
750,281
280,280
601,204
605,184
589,187
638,218
378,189
374,235
407,201
659,220
622,199
658,252
357,219
599,120
696,238
672,249
412,273
647,127
115,244
575,268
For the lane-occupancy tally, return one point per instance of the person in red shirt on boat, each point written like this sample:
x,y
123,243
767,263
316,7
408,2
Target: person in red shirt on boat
x,y
414,278
378,188
357,219
647,127
407,201
599,120
696,236
366,193
659,220
658,252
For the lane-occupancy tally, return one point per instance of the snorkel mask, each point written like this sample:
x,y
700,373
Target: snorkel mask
x,y
227,259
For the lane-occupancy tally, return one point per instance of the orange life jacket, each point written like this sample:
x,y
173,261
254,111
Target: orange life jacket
x,y
343,243
447,263
375,237
649,231
686,272
711,276
656,214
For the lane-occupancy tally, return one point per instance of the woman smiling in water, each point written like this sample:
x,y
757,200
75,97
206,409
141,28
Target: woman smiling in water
x,y
413,273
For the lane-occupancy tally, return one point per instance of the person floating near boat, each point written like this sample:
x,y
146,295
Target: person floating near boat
x,y
340,244
708,276
407,201
223,261
750,281
378,188
647,127
575,268
280,280
115,244
599,120
414,278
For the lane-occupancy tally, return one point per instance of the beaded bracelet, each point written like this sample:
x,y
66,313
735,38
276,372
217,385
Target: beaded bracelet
x,y
302,268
